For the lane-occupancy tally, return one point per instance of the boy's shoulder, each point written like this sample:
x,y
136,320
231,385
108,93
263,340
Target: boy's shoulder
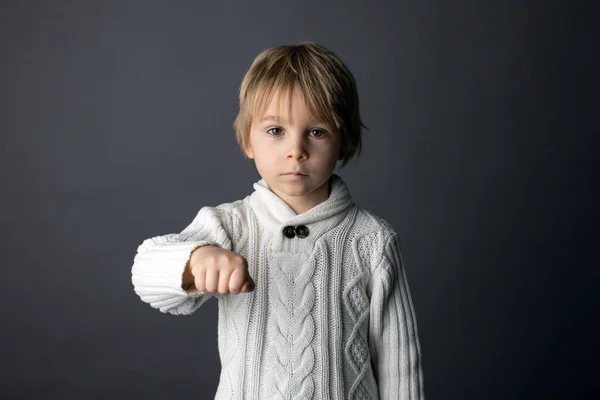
x,y
372,223
235,206
372,237
226,213
233,210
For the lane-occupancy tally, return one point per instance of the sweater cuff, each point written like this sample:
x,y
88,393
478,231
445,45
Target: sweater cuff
x,y
158,268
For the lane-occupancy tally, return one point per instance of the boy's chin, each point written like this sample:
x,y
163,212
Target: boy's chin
x,y
297,188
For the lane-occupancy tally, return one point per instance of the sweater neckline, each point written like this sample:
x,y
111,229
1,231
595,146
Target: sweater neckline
x,y
275,213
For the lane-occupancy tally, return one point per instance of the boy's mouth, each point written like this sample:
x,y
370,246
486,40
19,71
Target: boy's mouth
x,y
295,173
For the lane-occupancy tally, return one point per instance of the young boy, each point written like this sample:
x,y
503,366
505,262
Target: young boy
x,y
312,294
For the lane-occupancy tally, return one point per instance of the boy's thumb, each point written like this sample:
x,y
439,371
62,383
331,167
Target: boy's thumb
x,y
249,285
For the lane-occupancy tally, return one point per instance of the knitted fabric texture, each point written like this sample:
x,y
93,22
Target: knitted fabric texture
x,y
331,316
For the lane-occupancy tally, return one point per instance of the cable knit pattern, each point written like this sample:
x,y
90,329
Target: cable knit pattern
x,y
357,351
292,329
331,316
229,368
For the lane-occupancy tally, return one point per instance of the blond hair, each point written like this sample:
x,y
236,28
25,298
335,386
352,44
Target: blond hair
x,y
328,87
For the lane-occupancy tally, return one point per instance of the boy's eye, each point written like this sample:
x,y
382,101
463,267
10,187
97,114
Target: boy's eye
x,y
317,133
275,131
313,132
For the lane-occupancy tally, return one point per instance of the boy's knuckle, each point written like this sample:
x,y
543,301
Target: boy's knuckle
x,y
209,259
229,267
202,271
243,261
239,262
212,269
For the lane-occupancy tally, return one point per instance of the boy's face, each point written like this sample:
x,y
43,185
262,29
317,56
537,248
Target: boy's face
x,y
296,154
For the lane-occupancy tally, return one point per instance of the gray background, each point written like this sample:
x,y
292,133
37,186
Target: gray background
x,y
115,126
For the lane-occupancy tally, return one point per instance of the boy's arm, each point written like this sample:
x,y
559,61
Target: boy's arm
x,y
393,337
159,267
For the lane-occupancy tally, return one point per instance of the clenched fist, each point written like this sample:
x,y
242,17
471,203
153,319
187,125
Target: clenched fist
x,y
215,270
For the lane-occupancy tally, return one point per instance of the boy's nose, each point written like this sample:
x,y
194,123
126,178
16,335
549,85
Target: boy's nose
x,y
297,149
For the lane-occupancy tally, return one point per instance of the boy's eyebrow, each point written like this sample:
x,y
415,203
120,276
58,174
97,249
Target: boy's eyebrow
x,y
271,117
278,119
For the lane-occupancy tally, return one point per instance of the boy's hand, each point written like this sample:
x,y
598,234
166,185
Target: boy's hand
x,y
216,270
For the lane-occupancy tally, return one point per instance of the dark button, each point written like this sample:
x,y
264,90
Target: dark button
x,y
301,231
289,232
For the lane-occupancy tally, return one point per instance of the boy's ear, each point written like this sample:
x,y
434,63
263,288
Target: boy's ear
x,y
247,148
248,151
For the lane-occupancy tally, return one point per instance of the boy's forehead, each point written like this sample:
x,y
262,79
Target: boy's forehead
x,y
282,97
283,103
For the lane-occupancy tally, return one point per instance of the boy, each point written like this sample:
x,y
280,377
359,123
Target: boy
x,y
312,295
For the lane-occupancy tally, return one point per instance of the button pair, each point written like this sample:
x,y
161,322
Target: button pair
x,y
301,231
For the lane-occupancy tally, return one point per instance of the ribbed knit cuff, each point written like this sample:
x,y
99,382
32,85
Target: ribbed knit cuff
x,y
158,270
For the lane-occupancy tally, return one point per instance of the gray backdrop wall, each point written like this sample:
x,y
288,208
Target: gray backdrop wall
x,y
115,126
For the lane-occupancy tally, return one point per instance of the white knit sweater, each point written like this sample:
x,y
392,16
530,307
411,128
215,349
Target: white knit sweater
x,y
331,316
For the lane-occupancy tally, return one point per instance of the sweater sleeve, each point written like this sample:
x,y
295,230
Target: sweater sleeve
x,y
393,338
158,266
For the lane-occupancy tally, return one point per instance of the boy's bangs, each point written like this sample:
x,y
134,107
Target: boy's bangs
x,y
265,92
315,101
